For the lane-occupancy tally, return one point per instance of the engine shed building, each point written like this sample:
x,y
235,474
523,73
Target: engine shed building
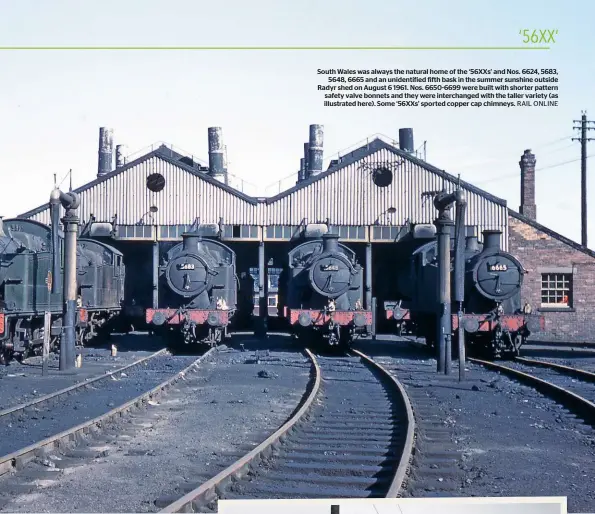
x,y
371,196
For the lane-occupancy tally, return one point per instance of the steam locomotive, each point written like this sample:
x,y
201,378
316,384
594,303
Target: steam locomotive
x,y
30,255
495,323
323,292
198,289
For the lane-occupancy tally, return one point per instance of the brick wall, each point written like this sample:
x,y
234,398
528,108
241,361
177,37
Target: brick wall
x,y
540,251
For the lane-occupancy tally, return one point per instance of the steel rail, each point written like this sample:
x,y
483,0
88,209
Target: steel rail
x,y
213,488
407,452
210,489
66,390
582,374
24,455
573,401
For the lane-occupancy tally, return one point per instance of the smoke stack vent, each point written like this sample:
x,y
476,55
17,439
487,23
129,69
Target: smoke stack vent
x,y
491,239
471,243
315,149
527,164
216,154
106,150
406,140
330,242
302,174
306,160
120,160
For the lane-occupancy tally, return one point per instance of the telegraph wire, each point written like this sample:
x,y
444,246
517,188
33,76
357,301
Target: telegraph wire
x,y
516,175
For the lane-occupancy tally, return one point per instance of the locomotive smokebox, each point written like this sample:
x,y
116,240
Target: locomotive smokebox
x,y
315,150
330,242
471,243
491,239
216,154
406,140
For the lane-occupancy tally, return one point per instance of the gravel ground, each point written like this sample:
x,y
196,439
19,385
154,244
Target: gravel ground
x,y
22,382
512,440
231,404
24,428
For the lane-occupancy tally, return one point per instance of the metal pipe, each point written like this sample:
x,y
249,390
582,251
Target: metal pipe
x,y
461,208
70,201
56,250
444,298
315,149
156,275
368,276
262,303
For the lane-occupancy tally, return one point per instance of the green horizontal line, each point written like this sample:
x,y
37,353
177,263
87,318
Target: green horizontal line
x,y
319,48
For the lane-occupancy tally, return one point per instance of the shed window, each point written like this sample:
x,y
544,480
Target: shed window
x,y
273,301
556,290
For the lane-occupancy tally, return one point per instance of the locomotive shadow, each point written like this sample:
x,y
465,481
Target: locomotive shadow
x,y
274,341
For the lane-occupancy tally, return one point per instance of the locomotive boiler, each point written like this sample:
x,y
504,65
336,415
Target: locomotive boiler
x,y
324,292
494,320
198,289
31,254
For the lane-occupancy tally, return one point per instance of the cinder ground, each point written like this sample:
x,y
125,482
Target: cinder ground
x,y
513,440
196,431
21,382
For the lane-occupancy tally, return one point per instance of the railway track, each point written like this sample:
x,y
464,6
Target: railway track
x,y
572,387
352,436
54,423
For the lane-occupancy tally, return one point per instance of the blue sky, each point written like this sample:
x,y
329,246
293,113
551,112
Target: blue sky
x,y
52,103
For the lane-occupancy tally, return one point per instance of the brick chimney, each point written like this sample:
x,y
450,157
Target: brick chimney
x,y
527,164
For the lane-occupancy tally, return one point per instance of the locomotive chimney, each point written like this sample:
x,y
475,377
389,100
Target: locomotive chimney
x,y
120,160
190,242
471,243
2,234
315,149
527,164
406,140
216,157
106,150
491,239
330,242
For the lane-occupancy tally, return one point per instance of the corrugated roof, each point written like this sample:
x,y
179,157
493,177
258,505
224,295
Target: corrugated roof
x,y
362,152
165,154
370,148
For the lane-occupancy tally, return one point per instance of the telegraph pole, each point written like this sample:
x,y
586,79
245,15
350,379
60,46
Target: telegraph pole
x,y
583,127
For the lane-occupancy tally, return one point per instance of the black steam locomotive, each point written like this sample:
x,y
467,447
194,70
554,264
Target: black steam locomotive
x,y
494,321
323,292
26,274
198,289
